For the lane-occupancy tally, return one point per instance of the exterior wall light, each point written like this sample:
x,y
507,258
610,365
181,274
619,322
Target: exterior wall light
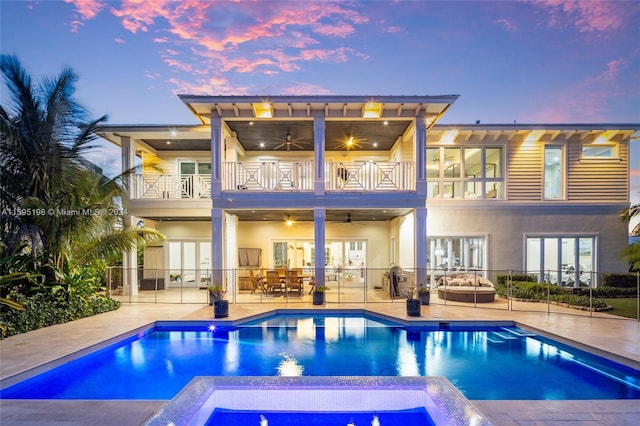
x,y
262,110
372,110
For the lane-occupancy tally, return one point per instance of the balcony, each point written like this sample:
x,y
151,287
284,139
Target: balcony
x,y
370,176
171,186
279,176
298,176
268,176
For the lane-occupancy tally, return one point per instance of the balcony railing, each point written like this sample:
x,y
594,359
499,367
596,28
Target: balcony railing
x,y
298,176
171,186
279,176
268,176
371,176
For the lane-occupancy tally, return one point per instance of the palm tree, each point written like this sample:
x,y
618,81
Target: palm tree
x,y
629,213
632,252
52,197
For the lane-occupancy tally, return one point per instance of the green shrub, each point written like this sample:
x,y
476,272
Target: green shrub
x,y
503,278
620,280
609,292
538,291
43,310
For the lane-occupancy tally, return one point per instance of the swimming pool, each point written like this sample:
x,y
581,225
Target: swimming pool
x,y
488,362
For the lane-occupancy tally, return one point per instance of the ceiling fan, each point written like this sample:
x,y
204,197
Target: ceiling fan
x,y
347,221
288,141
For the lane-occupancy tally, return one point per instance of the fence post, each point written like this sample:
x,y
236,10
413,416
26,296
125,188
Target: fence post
x,y
510,291
475,289
591,297
108,281
549,292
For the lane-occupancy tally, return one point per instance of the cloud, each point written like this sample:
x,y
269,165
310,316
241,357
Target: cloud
x,y
300,89
119,40
87,9
205,38
594,16
216,85
612,70
84,10
506,24
588,99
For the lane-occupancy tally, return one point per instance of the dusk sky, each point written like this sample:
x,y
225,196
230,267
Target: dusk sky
x,y
531,61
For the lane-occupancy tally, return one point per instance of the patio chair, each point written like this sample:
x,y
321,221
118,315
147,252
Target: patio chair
x,y
294,282
273,283
257,282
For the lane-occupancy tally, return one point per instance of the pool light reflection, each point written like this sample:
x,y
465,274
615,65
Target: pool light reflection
x,y
289,367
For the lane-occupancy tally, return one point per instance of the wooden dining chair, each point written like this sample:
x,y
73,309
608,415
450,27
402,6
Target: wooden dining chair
x,y
273,283
294,282
257,282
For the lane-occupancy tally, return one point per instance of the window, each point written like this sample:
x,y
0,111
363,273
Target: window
x,y
599,151
566,261
470,173
553,173
455,253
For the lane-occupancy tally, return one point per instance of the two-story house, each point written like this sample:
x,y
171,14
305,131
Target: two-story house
x,y
263,182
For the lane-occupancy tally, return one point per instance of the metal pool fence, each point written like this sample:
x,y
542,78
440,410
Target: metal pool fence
x,y
568,292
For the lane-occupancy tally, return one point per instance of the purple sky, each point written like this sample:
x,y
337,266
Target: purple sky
x,y
531,61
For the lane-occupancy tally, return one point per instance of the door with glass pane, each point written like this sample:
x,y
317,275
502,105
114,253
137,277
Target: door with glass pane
x,y
195,179
189,263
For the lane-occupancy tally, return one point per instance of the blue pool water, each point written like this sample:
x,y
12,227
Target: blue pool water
x,y
492,363
413,417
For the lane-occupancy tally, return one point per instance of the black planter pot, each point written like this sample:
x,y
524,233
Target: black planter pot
x,y
413,307
424,298
318,298
221,308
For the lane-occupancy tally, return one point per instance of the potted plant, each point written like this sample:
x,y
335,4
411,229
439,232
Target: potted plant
x,y
424,294
413,304
318,295
216,298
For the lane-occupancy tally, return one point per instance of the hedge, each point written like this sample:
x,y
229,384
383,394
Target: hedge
x,y
503,278
42,310
620,280
528,290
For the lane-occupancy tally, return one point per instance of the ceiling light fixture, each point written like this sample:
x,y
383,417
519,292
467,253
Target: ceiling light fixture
x,y
289,221
262,110
372,110
449,136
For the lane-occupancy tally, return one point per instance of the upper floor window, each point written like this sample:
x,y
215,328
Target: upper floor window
x,y
470,173
599,151
553,172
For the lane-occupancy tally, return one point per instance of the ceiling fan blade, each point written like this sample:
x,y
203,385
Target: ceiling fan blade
x,y
281,145
297,145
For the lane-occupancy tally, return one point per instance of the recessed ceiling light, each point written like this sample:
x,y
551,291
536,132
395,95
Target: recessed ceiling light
x,y
386,123
251,123
372,110
173,132
168,142
375,144
262,110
